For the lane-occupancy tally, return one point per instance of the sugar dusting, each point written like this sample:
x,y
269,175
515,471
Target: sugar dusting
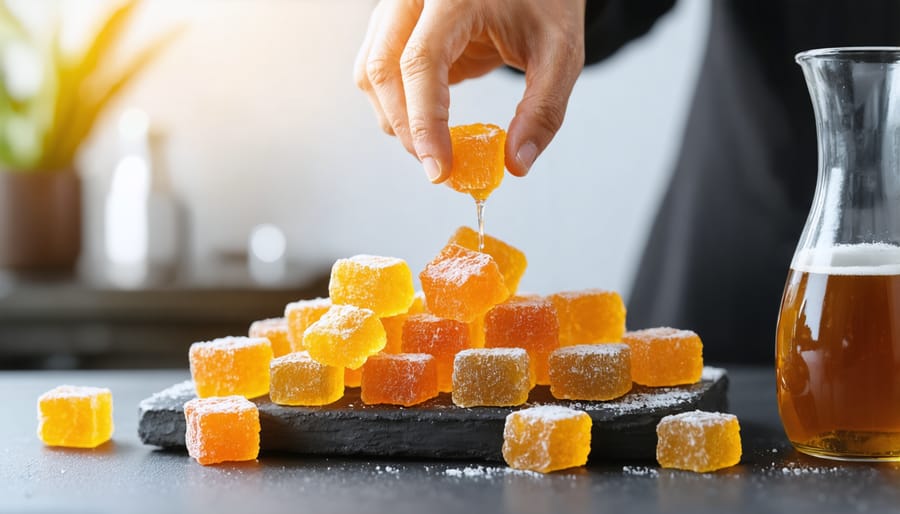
x,y
181,391
698,418
513,353
72,391
488,472
640,471
341,321
219,404
605,349
314,303
456,265
231,343
660,333
546,413
371,261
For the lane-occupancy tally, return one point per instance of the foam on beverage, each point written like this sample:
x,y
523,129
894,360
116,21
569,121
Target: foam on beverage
x,y
858,259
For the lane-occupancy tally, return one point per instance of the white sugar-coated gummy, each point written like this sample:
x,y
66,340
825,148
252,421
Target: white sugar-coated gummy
x,y
73,391
699,418
605,349
293,357
371,261
232,343
341,320
667,333
516,353
547,413
219,404
458,268
859,259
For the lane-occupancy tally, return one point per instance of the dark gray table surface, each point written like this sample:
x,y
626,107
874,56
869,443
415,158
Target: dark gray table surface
x,y
125,476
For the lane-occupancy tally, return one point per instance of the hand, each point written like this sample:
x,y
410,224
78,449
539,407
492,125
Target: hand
x,y
414,50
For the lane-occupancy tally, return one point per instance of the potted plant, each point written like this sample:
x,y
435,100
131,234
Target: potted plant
x,y
45,117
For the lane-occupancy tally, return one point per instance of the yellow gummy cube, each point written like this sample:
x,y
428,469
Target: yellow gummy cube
x,y
590,371
75,416
498,377
276,330
547,438
510,260
383,285
231,366
478,159
589,316
665,356
345,337
221,429
300,315
698,441
299,380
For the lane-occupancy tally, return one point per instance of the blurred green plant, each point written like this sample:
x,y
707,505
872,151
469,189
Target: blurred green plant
x,y
43,129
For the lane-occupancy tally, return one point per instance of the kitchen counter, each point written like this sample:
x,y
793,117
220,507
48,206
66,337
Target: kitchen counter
x,y
126,476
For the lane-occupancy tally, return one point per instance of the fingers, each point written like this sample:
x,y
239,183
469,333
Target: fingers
x,y
438,39
361,78
549,78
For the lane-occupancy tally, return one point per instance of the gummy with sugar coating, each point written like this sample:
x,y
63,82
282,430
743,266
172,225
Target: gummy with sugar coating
x,y
547,438
589,316
528,324
393,325
698,441
75,416
510,260
440,338
221,429
299,380
383,285
276,330
497,377
231,366
399,379
665,356
461,284
478,159
596,372
345,337
300,315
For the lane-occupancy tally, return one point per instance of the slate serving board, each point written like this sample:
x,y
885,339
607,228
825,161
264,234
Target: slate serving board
x,y
622,429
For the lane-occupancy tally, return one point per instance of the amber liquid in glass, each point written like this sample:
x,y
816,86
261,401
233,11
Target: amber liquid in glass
x,y
838,352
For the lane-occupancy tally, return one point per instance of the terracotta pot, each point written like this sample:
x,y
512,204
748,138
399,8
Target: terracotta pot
x,y
40,221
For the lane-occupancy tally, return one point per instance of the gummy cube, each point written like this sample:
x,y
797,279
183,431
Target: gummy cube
x,y
300,315
276,330
511,261
75,416
528,324
590,371
499,377
393,325
589,316
299,380
698,441
345,337
383,285
440,338
221,429
461,284
352,377
231,366
546,438
399,379
478,159
665,356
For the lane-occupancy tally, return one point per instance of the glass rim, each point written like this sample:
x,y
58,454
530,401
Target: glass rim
x,y
873,54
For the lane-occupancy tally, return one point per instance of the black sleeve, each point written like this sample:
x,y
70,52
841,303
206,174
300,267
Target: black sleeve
x,y
610,24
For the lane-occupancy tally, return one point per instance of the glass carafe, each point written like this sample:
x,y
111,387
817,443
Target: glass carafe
x,y
838,336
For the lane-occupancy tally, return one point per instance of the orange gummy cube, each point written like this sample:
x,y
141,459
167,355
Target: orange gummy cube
x,y
345,337
299,380
393,325
698,441
590,371
399,379
383,285
665,356
276,330
528,324
589,316
510,260
75,416
352,377
441,338
547,438
231,366
498,377
461,284
300,315
221,429
478,159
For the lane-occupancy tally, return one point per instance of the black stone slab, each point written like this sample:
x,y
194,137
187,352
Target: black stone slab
x,y
622,429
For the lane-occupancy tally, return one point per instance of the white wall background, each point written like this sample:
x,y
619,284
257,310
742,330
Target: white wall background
x,y
265,125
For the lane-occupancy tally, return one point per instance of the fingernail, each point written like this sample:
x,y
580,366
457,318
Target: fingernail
x,y
431,168
526,155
